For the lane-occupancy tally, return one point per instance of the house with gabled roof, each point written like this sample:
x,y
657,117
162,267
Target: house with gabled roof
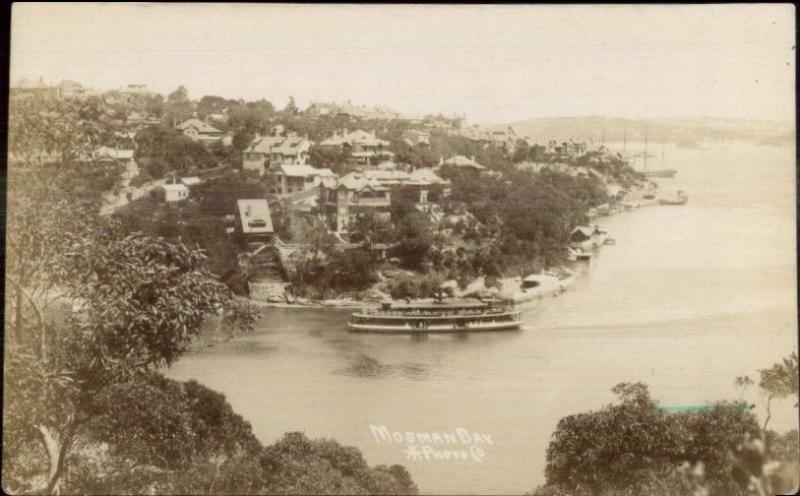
x,y
296,178
342,201
361,146
269,152
122,158
199,131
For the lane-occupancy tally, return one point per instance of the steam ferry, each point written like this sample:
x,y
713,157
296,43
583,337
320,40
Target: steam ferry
x,y
437,316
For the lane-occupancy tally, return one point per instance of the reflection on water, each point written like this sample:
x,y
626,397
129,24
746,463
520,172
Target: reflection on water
x,y
365,366
361,365
688,299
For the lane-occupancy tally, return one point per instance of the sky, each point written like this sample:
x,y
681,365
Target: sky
x,y
491,63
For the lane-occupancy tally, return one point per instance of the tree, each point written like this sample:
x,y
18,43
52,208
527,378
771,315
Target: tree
x,y
218,196
371,228
169,149
629,447
521,151
416,238
779,381
333,158
291,108
298,465
102,309
211,105
178,107
54,134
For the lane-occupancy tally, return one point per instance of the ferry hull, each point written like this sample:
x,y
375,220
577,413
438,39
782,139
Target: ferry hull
x,y
489,326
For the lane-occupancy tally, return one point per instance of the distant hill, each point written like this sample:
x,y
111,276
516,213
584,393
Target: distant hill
x,y
594,128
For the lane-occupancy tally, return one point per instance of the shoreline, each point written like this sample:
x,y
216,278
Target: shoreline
x,y
518,295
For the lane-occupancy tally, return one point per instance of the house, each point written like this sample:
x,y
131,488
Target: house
x,y
566,151
71,90
176,192
361,146
217,117
269,152
412,137
443,121
254,222
135,90
25,88
421,186
122,158
140,119
296,178
199,131
586,237
351,111
342,201
462,162
503,139
427,186
191,181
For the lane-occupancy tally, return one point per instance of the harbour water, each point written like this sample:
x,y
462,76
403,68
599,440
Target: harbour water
x,y
689,298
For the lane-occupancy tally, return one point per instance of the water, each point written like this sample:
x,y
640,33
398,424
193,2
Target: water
x,y
689,298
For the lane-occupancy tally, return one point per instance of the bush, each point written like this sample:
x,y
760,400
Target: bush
x,y
424,286
641,443
340,271
143,178
298,465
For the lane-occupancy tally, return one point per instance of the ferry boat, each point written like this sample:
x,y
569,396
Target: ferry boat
x,y
437,316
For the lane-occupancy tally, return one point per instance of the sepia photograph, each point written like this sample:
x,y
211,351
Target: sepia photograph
x,y
376,249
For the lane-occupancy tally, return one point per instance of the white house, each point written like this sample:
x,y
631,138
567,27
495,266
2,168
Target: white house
x,y
254,219
174,193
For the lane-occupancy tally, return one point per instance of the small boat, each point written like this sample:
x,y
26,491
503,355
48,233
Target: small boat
x,y
537,286
610,241
579,255
681,199
437,316
660,173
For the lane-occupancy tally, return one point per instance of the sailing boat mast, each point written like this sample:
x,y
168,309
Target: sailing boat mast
x,y
624,139
645,149
662,154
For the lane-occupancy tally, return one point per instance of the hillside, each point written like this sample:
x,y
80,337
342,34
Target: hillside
x,y
594,128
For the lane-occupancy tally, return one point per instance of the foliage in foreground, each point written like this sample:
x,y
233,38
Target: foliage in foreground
x,y
93,311
160,436
636,448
